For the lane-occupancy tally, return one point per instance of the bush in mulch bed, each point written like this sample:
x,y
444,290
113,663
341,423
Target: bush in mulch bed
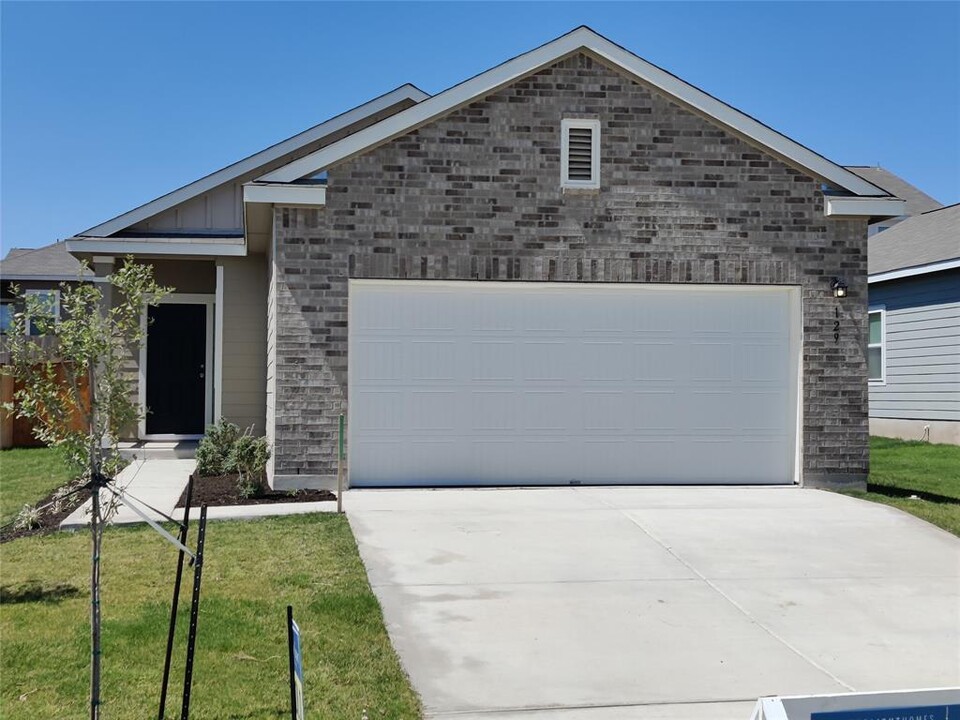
x,y
217,490
47,521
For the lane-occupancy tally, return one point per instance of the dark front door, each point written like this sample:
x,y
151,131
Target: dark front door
x,y
176,369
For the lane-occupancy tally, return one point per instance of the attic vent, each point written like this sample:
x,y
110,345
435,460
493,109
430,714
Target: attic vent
x,y
580,153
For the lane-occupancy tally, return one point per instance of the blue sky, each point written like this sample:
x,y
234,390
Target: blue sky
x,y
106,106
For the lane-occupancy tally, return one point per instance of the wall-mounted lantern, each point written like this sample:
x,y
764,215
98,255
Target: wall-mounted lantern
x,y
839,287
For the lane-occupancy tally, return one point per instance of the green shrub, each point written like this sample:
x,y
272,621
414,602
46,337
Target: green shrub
x,y
248,458
225,450
214,448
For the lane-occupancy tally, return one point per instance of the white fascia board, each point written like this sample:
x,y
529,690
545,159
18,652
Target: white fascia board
x,y
53,278
582,38
193,246
284,194
878,207
915,270
231,172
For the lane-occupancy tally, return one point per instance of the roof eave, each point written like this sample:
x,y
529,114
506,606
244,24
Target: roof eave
x,y
925,269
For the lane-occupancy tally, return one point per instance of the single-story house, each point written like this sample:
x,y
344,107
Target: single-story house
x,y
913,351
572,268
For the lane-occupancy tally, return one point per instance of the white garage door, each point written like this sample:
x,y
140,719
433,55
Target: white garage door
x,y
486,383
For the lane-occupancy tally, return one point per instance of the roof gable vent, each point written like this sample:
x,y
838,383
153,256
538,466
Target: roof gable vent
x,y
580,153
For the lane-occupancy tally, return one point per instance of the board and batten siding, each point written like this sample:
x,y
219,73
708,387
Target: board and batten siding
x,y
244,341
922,358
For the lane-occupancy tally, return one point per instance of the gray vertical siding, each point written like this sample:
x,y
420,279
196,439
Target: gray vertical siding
x,y
922,348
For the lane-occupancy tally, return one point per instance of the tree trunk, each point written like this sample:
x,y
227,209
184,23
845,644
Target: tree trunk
x,y
97,533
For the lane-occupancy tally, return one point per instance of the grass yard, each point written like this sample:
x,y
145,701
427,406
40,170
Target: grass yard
x,y
253,570
26,475
900,468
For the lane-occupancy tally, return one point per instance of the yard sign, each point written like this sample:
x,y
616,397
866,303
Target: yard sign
x,y
296,667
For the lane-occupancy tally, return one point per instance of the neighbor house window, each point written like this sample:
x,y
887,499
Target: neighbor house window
x,y
48,301
579,153
876,352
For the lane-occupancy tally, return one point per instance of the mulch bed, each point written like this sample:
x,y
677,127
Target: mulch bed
x,y
49,521
222,490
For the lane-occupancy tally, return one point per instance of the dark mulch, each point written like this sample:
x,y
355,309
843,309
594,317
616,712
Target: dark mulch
x,y
222,490
49,521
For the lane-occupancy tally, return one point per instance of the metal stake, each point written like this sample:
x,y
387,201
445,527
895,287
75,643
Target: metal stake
x,y
176,601
194,612
340,468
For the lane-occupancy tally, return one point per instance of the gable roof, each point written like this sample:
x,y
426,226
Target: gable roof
x,y
924,243
51,262
406,92
578,40
917,200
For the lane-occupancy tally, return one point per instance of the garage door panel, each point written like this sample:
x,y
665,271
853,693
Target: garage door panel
x,y
711,361
543,360
493,360
604,361
431,410
493,410
657,410
656,361
519,383
604,411
544,410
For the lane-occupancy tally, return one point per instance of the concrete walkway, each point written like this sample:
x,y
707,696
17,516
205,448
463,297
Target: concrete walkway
x,y
160,481
156,481
680,603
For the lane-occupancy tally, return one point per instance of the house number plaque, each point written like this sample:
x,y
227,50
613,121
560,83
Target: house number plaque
x,y
836,326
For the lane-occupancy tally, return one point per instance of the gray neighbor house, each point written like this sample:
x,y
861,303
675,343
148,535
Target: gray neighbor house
x,y
574,267
913,347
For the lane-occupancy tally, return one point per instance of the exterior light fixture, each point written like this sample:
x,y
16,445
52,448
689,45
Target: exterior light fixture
x,y
839,287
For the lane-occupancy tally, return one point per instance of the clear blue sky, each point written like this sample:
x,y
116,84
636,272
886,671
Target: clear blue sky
x,y
106,106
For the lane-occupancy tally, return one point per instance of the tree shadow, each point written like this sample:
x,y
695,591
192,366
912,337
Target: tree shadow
x,y
34,591
898,492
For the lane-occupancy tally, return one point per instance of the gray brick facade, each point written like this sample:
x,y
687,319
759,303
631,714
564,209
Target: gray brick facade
x,y
476,196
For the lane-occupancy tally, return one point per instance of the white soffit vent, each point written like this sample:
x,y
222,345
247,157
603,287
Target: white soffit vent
x,y
580,153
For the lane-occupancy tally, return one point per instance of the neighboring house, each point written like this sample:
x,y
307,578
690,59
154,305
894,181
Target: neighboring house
x,y
914,342
917,201
40,271
36,271
571,268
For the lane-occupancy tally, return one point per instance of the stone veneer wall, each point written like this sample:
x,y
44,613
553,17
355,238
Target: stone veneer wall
x,y
476,195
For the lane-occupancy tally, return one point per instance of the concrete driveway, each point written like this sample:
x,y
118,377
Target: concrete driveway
x,y
604,603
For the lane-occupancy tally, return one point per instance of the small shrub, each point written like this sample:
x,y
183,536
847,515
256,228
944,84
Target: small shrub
x,y
214,449
248,458
27,519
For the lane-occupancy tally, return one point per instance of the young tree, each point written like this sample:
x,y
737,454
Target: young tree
x,y
74,386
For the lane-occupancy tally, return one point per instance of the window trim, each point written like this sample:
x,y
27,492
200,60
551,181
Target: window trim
x,y
566,124
882,311
56,306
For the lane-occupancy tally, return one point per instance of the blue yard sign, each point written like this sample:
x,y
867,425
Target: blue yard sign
x,y
296,667
929,712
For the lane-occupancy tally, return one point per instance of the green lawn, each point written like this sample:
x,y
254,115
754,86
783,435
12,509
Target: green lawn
x,y
900,468
26,475
253,570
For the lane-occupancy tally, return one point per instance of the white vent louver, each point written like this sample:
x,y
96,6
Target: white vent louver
x,y
580,153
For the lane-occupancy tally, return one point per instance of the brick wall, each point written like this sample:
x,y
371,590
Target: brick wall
x,y
476,195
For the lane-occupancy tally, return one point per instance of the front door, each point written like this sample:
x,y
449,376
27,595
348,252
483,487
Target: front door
x,y
176,369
